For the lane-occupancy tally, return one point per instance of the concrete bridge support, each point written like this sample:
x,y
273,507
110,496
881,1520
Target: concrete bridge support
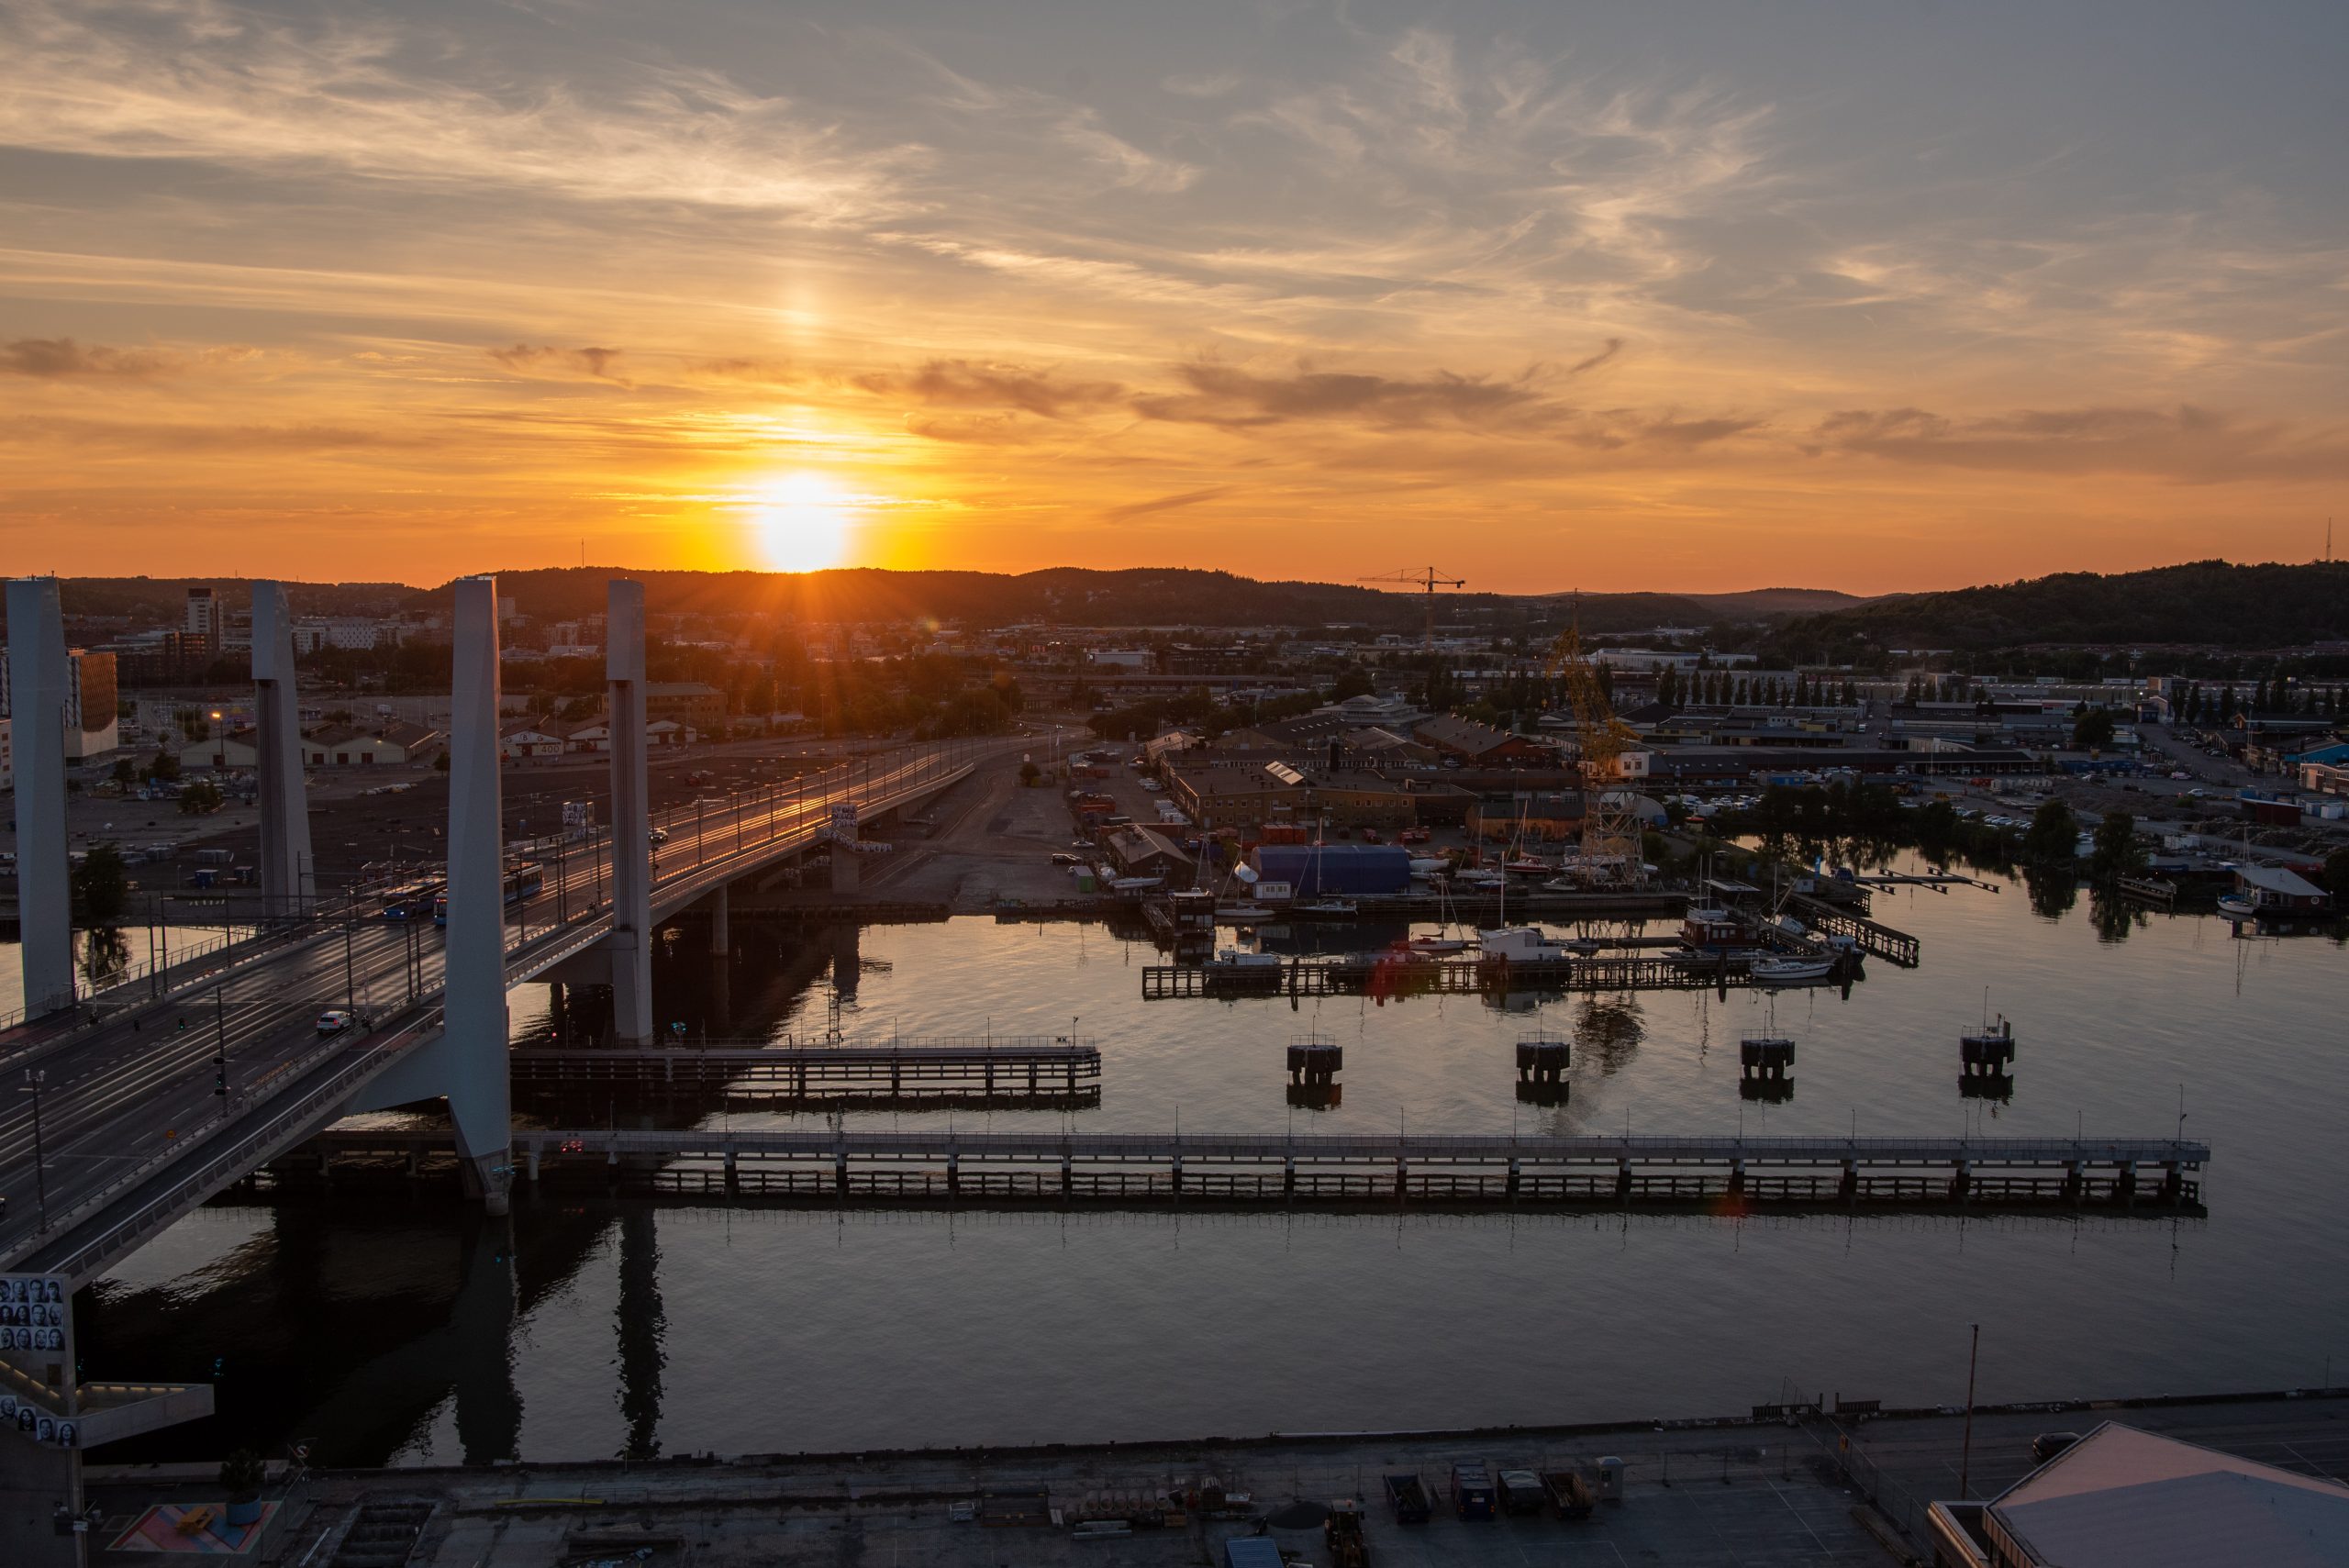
x,y
474,1049
37,678
288,872
847,875
630,945
722,941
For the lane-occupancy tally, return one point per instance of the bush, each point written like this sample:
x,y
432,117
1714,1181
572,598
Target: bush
x,y
241,1475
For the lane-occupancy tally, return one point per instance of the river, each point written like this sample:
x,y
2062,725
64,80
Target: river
x,y
400,1329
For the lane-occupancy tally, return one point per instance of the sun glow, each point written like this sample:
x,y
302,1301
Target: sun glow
x,y
803,522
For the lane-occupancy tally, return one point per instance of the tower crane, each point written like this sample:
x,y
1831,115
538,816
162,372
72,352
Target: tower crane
x,y
1429,578
1612,847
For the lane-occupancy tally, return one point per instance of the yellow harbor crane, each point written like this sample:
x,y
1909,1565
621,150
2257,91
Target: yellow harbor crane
x,y
1611,846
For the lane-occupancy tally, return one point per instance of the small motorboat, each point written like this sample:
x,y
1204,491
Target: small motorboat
x,y
1242,913
1790,970
1327,906
1526,865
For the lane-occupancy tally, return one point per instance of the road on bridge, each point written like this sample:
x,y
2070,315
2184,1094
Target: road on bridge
x,y
127,1111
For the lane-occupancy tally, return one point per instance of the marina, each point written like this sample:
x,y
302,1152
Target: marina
x,y
1387,975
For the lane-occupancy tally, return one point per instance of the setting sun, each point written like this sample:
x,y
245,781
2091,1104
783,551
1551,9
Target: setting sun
x,y
802,522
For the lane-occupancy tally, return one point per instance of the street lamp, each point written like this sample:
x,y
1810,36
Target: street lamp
x,y
34,1079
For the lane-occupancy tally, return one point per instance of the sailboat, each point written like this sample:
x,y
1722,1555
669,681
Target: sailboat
x,y
1519,944
1445,941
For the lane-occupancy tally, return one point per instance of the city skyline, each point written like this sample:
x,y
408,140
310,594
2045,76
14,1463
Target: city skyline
x,y
1677,297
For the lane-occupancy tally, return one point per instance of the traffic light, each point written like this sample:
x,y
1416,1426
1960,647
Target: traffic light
x,y
220,1076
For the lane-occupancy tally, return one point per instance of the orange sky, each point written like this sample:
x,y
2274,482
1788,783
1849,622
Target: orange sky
x,y
1604,302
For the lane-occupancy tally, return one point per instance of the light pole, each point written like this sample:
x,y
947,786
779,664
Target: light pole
x,y
34,1079
1966,1452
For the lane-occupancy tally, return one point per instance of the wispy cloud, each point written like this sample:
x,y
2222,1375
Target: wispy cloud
x,y
1219,395
2186,444
59,357
1133,509
531,360
207,80
963,384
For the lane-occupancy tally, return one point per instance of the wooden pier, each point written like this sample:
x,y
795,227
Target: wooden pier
x,y
1876,939
978,1068
1401,975
839,1164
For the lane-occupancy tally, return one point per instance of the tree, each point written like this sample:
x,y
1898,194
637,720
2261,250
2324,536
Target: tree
x,y
199,798
2053,836
126,771
2116,851
101,886
1353,682
2336,877
165,768
2092,730
1029,772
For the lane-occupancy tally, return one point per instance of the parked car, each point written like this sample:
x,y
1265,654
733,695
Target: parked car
x,y
334,1021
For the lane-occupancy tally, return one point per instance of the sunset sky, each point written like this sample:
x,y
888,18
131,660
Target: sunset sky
x,y
1886,295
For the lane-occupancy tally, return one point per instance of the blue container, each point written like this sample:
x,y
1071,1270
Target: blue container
x,y
1354,870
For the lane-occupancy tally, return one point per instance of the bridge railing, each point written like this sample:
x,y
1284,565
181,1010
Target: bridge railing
x,y
250,1150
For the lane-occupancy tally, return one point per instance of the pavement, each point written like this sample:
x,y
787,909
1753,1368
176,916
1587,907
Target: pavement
x,y
1758,1494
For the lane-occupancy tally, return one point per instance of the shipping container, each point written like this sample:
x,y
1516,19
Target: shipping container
x,y
1353,870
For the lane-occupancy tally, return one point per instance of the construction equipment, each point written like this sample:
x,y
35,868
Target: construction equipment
x,y
1429,579
1341,1533
1611,849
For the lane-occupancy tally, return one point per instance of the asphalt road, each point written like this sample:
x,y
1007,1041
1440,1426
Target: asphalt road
x,y
139,1086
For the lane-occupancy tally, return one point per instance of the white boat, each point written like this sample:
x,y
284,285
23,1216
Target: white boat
x,y
1232,958
1327,906
1790,970
1521,944
2237,906
1242,913
1476,876
1438,944
1584,947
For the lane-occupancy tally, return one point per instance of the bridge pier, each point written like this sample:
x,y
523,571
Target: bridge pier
x,y
289,881
475,1023
44,889
631,943
721,938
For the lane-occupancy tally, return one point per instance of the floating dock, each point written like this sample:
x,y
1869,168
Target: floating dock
x,y
977,1068
841,1165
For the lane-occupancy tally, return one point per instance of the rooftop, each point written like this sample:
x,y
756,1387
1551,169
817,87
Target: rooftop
x,y
2124,1499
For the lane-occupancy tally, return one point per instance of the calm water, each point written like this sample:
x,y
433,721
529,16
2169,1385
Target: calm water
x,y
391,1329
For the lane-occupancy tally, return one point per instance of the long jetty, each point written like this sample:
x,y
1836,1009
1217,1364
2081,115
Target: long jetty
x,y
840,1164
974,1068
